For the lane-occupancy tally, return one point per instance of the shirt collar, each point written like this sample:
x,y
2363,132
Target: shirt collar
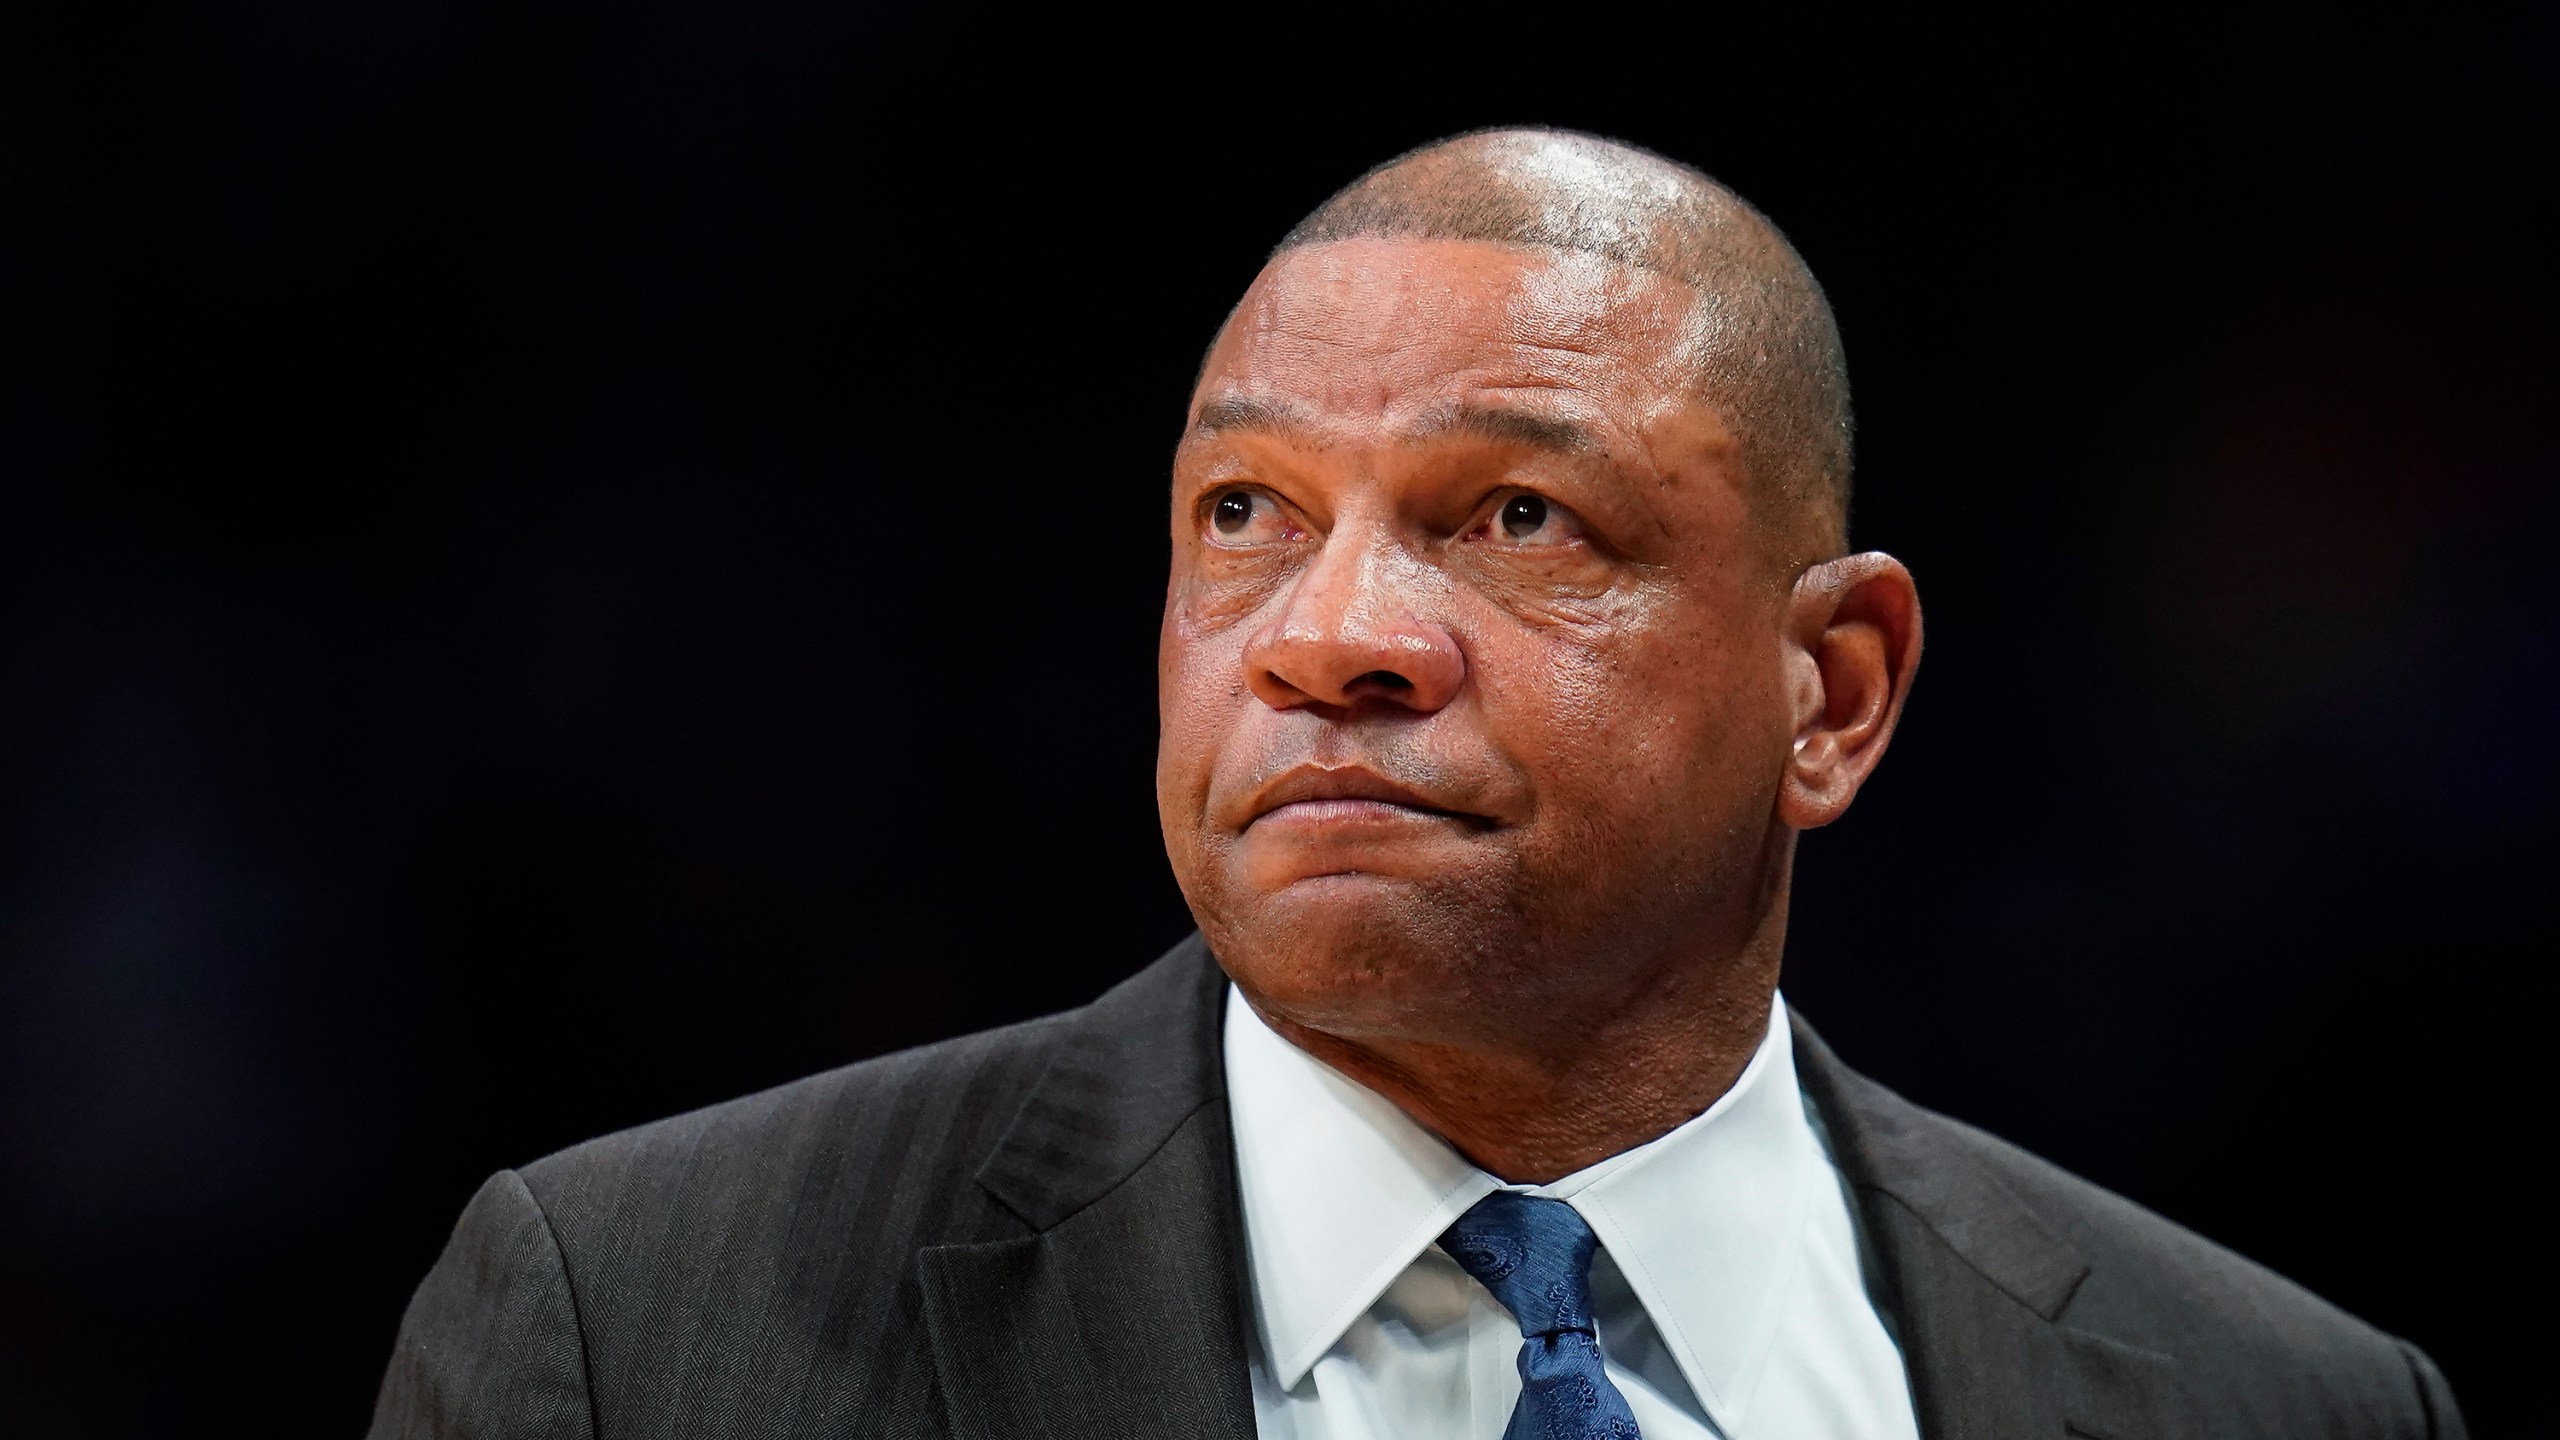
x,y
1342,1190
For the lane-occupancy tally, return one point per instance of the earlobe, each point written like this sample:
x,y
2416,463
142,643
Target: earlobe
x,y
1853,640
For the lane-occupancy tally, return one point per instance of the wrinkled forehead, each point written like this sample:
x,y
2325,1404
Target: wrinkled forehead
x,y
1351,324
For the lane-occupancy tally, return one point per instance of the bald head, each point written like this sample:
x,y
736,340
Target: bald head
x,y
1766,347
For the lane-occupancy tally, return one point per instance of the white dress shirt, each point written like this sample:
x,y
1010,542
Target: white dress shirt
x,y
1728,1292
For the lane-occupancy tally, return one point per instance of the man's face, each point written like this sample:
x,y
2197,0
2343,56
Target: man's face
x,y
1470,673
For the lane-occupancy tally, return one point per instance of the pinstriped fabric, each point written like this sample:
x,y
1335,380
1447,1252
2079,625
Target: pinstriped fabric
x,y
1116,1088
491,1345
752,1269
963,1239
1127,1318
764,1248
1124,1312
2032,1302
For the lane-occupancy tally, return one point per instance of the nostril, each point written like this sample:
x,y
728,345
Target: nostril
x,y
1383,679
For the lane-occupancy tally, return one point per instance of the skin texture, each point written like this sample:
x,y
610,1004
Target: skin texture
x,y
1491,803
1768,351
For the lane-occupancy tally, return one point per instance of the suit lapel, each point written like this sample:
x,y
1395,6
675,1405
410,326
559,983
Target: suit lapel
x,y
1123,1312
1978,1283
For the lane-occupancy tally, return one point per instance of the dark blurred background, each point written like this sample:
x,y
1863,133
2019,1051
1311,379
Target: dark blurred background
x,y
560,562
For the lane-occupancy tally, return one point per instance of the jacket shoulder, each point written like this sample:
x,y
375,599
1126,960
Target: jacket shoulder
x,y
2256,1346
2230,1345
914,1124
767,1246
2150,1278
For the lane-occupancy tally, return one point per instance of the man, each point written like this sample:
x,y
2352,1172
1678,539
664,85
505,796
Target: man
x,y
1511,639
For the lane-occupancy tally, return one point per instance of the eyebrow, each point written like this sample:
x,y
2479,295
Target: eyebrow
x,y
1229,414
1496,423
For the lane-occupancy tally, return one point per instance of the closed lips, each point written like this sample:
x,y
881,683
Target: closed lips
x,y
1311,786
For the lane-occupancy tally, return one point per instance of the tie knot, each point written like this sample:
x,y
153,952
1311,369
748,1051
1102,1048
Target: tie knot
x,y
1533,1254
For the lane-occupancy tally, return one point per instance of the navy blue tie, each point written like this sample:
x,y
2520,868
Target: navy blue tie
x,y
1535,1256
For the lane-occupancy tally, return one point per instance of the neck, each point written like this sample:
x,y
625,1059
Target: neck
x,y
1539,1103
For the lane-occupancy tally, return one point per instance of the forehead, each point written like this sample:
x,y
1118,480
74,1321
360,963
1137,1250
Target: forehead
x,y
1362,325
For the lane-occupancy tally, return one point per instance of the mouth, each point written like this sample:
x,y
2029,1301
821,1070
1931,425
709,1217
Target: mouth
x,y
1354,797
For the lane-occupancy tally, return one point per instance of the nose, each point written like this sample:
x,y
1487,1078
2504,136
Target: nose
x,y
1355,631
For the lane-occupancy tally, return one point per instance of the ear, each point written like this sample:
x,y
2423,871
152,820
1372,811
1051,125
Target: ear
x,y
1853,641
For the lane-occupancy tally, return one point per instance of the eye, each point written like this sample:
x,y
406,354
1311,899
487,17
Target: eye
x,y
1526,519
1523,516
1246,517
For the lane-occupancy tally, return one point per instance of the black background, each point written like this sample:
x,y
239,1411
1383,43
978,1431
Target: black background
x,y
565,561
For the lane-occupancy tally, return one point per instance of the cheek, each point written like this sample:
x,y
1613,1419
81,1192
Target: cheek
x,y
1634,728
1199,685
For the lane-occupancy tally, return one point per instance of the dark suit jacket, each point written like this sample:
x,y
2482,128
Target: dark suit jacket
x,y
1035,1232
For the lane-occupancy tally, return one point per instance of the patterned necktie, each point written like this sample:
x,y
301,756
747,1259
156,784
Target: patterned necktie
x,y
1535,1256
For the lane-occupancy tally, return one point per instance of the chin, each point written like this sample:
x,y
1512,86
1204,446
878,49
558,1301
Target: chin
x,y
1351,952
